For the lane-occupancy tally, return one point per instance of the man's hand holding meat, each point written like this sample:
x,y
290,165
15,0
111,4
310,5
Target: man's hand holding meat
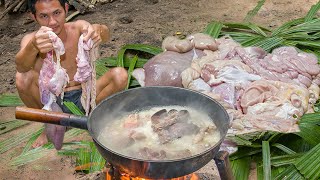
x,y
48,59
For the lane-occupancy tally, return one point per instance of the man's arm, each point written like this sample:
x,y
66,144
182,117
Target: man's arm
x,y
32,45
27,55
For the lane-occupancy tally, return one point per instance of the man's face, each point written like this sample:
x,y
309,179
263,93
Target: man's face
x,y
51,14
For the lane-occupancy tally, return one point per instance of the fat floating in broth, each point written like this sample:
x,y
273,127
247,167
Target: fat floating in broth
x,y
161,133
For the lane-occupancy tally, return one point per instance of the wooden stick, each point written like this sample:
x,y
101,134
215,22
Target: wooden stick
x,y
72,15
19,5
9,9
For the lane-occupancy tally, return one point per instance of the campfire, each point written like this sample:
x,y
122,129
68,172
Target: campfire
x,y
114,174
217,169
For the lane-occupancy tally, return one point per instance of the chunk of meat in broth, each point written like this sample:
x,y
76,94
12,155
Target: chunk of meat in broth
x,y
137,136
132,121
163,119
203,132
150,154
156,117
176,131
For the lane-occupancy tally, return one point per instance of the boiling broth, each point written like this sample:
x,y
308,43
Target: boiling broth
x,y
118,136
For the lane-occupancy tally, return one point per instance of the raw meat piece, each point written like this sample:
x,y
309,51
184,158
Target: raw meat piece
x,y
164,69
172,43
53,78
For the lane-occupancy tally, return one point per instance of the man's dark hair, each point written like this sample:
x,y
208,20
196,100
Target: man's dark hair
x,y
32,3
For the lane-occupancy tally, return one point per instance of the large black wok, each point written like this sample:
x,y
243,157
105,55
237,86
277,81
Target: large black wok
x,y
132,100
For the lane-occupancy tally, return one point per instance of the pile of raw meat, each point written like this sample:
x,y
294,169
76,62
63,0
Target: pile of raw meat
x,y
260,91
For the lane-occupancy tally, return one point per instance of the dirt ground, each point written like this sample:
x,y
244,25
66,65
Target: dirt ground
x,y
130,21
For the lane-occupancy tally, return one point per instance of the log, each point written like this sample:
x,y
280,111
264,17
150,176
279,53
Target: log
x,y
72,15
8,3
9,8
19,5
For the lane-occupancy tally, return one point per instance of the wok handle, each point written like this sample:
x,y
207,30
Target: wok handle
x,y
223,165
39,115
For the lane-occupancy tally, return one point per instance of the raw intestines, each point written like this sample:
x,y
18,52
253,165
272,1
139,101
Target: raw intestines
x,y
261,91
53,79
161,133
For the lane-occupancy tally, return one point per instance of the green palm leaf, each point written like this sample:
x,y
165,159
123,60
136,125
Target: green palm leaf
x,y
131,68
289,173
312,12
10,100
253,12
139,47
213,29
241,168
266,160
309,164
8,126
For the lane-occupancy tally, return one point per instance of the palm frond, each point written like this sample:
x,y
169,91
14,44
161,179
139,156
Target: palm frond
x,y
73,108
131,68
112,62
254,11
14,141
10,100
291,172
34,154
138,47
312,12
241,168
10,125
283,160
309,163
213,29
266,160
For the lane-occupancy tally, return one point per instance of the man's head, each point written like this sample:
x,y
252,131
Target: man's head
x,y
32,4
50,13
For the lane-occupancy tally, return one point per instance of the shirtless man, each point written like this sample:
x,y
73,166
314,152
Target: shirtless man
x,y
51,15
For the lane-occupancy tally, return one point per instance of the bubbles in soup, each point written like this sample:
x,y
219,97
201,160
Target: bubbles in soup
x,y
161,133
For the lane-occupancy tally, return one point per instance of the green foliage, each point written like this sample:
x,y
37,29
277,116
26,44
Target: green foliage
x,y
8,126
10,100
253,12
131,68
